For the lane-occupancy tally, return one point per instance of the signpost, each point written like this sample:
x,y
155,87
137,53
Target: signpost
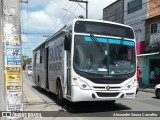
x,y
11,45
2,82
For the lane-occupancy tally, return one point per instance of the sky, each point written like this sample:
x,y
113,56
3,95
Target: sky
x,y
42,18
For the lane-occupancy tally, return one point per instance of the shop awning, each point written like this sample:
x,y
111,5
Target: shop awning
x,y
147,54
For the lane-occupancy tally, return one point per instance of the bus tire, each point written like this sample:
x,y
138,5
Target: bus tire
x,y
111,102
158,93
61,100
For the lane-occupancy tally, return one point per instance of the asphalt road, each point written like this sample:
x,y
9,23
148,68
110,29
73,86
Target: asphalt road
x,y
36,99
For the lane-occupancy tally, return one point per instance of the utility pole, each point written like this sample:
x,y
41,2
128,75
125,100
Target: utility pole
x,y
11,49
2,82
86,2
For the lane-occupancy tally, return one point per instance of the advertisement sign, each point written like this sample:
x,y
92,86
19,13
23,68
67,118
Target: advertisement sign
x,y
13,54
14,88
13,45
13,79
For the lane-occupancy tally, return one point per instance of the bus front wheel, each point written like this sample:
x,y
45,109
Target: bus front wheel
x,y
158,93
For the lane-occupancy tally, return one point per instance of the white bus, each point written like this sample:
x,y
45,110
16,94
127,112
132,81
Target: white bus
x,y
88,60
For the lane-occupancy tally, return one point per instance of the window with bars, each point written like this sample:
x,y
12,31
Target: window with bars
x,y
153,28
134,6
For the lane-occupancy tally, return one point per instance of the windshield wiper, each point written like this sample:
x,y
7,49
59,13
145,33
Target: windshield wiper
x,y
119,48
99,45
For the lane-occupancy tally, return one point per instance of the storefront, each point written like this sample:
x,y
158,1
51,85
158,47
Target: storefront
x,y
150,65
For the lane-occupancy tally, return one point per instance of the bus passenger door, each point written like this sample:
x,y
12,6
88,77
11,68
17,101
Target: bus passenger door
x,y
46,68
68,73
34,67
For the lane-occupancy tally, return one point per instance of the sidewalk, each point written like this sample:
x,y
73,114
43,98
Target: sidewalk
x,y
146,89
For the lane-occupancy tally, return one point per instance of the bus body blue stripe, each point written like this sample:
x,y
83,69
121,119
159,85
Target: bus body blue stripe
x,y
103,40
129,43
87,38
117,41
112,41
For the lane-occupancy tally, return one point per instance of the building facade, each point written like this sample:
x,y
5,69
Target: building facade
x,y
144,17
152,43
135,14
114,12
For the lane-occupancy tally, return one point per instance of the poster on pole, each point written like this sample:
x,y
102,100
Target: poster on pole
x,y
13,102
14,88
13,79
13,54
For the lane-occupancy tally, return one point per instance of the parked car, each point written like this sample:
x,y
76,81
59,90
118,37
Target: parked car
x,y
157,91
29,71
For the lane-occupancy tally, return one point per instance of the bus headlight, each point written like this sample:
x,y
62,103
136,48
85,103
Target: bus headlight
x,y
81,84
129,86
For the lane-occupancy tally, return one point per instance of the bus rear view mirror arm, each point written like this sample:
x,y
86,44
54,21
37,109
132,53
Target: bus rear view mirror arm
x,y
67,43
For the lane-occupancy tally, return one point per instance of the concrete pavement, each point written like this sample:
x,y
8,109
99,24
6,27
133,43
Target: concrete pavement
x,y
35,100
144,89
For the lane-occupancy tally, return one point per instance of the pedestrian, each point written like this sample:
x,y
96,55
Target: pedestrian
x,y
152,76
138,76
138,73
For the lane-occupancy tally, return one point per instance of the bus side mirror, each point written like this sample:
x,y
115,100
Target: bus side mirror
x,y
67,43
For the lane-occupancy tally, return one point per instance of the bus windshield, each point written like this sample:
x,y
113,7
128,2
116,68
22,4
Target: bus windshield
x,y
105,56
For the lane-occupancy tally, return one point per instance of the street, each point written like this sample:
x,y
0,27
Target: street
x,y
35,99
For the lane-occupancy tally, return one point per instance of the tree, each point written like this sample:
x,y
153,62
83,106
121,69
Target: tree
x,y
26,60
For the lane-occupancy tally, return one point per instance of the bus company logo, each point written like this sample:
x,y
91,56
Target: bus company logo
x,y
6,114
108,87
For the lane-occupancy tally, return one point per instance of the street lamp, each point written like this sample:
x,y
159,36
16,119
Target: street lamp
x,y
82,6
70,12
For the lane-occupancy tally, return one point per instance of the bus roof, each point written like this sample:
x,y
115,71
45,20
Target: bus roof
x,y
73,22
104,21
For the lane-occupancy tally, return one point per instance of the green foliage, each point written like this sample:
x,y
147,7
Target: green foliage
x,y
26,60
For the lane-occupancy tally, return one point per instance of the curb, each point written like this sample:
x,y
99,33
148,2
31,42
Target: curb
x,y
144,90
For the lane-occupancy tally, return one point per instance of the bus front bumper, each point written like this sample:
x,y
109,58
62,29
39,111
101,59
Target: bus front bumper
x,y
91,95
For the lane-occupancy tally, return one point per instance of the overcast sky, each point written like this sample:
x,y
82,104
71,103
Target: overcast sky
x,y
47,16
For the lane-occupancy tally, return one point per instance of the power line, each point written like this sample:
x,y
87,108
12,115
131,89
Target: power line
x,y
58,16
71,15
126,11
57,25
64,16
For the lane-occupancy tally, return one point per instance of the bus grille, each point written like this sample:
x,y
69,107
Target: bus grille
x,y
102,88
100,94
